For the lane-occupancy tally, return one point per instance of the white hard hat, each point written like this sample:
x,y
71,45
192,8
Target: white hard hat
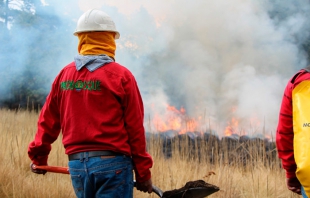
x,y
96,20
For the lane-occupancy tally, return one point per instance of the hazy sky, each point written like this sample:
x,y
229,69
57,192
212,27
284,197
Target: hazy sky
x,y
222,61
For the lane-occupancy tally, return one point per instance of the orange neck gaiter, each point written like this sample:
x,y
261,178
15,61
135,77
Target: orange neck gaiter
x,y
96,43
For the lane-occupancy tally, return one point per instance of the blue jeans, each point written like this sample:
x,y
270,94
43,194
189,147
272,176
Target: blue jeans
x,y
102,177
303,193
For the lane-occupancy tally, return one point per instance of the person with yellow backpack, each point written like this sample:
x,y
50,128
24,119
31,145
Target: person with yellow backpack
x,y
293,133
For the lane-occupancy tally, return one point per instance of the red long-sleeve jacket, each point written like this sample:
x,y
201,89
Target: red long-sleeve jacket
x,y
99,110
285,133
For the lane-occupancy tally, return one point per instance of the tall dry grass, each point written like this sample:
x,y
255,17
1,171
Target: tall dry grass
x,y
236,180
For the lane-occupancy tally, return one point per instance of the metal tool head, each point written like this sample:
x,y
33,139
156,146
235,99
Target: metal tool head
x,y
192,189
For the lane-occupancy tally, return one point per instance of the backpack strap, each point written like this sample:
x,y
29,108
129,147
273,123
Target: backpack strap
x,y
306,69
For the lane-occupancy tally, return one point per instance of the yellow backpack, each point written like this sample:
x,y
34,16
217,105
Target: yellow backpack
x,y
301,126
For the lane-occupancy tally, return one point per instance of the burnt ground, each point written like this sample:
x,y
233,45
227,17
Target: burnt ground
x,y
192,189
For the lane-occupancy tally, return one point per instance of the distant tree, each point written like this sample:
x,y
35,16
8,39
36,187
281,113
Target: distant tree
x,y
10,8
30,52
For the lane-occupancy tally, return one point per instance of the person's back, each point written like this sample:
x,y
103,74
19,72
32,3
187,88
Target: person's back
x,y
285,132
97,100
96,104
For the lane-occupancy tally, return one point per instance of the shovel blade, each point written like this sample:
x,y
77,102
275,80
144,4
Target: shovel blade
x,y
197,192
192,189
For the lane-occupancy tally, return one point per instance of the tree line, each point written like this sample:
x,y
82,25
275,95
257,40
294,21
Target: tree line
x,y
31,51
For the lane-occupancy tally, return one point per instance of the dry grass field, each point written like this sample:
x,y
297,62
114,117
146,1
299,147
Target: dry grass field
x,y
255,179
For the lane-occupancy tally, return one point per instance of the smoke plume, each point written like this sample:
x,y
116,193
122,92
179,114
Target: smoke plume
x,y
219,61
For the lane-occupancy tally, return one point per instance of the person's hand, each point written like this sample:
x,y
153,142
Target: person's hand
x,y
37,171
145,186
293,185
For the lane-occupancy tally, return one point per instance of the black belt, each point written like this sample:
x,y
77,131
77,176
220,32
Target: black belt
x,y
77,156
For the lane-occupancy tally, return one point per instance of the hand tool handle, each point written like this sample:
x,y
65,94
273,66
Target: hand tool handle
x,y
155,189
65,170
54,169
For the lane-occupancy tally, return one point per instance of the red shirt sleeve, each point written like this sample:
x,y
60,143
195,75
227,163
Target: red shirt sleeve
x,y
133,116
285,133
47,131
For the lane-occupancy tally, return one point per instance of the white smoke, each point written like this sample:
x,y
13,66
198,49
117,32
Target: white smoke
x,y
217,59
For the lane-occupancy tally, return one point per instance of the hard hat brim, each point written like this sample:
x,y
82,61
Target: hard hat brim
x,y
117,35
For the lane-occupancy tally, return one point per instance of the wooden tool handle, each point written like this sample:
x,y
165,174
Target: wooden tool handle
x,y
54,169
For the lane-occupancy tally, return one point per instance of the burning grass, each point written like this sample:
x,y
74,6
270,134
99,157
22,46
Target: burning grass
x,y
226,169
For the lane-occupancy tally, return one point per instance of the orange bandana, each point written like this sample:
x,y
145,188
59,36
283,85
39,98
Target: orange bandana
x,y
96,43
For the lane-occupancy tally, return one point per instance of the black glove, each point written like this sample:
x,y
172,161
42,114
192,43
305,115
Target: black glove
x,y
145,186
37,171
293,185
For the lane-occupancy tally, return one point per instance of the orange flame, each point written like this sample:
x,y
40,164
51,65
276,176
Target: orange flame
x,y
176,119
230,129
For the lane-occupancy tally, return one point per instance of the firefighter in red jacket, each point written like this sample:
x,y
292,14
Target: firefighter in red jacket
x,y
285,133
96,104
